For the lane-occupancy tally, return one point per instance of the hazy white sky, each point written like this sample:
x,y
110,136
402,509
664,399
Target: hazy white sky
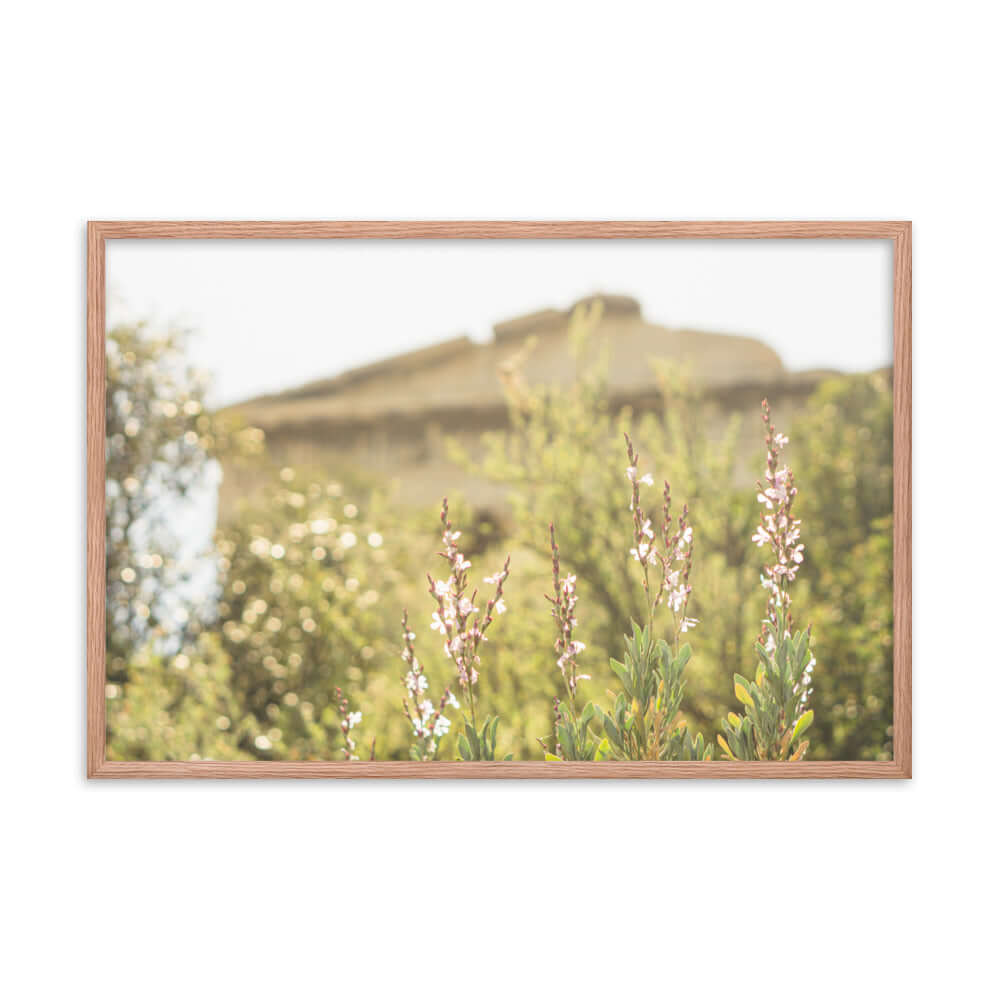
x,y
271,314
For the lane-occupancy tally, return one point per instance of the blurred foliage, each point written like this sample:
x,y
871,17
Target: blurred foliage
x,y
844,472
179,707
309,604
159,448
313,574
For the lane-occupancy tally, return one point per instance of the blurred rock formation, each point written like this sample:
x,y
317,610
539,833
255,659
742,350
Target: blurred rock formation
x,y
392,417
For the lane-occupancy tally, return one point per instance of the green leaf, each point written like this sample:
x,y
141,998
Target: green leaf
x,y
548,756
683,655
463,747
762,653
741,691
620,671
620,706
612,730
805,721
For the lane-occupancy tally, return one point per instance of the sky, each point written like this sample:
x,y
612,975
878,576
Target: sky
x,y
268,315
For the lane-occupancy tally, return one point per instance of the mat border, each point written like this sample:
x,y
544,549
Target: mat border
x,y
900,233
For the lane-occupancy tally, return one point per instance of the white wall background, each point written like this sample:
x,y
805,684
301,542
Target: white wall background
x,y
429,110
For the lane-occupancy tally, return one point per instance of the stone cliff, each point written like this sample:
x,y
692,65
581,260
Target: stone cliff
x,y
392,417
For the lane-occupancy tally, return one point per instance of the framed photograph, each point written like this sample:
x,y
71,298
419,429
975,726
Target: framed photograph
x,y
498,499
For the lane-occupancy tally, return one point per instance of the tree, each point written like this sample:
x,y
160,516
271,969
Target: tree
x,y
160,449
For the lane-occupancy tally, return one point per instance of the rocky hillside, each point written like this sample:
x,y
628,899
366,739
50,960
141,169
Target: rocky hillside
x,y
392,416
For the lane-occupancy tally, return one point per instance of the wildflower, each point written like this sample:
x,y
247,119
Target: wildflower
x,y
671,551
779,530
688,623
631,472
676,599
641,554
348,721
427,721
457,617
415,682
563,603
572,648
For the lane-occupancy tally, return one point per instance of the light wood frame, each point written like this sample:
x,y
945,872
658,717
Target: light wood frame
x,y
898,232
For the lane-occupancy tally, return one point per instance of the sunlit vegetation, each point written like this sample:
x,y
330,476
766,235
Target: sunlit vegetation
x,y
618,612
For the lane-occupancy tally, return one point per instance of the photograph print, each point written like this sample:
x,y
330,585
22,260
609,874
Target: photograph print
x,y
458,500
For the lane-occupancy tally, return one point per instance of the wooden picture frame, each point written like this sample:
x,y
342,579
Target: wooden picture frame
x,y
98,233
